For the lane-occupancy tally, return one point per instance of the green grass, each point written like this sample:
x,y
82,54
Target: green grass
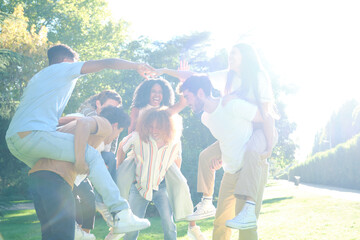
x,y
20,225
287,213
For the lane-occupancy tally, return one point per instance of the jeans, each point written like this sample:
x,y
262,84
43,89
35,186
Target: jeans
x,y
60,146
54,205
139,204
110,161
85,204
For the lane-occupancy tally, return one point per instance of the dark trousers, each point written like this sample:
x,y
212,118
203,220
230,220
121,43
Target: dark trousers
x,y
85,204
54,205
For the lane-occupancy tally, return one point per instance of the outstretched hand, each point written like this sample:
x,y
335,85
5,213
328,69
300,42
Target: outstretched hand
x,y
145,70
159,72
184,66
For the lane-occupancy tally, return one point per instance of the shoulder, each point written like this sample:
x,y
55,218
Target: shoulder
x,y
68,65
104,127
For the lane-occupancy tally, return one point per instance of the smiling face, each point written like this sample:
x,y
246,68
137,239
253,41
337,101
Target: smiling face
x,y
156,95
193,101
155,131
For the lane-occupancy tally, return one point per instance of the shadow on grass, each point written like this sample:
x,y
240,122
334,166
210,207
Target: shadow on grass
x,y
275,200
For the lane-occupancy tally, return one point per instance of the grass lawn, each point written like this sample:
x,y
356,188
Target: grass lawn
x,y
288,213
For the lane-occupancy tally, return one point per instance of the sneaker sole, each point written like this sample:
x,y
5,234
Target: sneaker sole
x,y
128,229
241,227
200,217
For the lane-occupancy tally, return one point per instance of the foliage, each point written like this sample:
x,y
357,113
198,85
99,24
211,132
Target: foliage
x,y
85,25
342,126
338,166
23,53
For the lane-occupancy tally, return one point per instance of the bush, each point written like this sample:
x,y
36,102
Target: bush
x,y
338,166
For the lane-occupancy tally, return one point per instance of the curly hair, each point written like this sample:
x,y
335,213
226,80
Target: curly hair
x,y
169,126
142,92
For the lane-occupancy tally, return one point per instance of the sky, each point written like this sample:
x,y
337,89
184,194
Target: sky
x,y
313,45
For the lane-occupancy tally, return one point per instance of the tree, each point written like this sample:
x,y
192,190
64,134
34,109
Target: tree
x,y
23,54
342,126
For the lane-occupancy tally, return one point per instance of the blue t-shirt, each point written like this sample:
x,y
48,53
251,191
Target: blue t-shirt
x,y
45,98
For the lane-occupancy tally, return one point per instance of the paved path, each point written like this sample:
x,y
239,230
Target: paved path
x,y
335,192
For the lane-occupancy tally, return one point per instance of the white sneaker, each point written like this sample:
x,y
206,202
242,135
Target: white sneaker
x,y
246,219
104,211
113,236
125,221
204,209
194,233
82,235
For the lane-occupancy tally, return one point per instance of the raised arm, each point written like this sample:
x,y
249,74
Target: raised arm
x,y
180,74
84,127
178,107
118,64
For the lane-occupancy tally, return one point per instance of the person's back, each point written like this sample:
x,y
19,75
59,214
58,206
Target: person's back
x,y
231,130
45,98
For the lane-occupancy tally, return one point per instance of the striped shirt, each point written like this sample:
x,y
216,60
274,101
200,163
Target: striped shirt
x,y
151,162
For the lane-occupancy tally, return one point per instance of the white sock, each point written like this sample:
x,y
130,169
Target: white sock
x,y
208,199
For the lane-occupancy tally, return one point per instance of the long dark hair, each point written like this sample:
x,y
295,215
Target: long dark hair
x,y
249,73
142,93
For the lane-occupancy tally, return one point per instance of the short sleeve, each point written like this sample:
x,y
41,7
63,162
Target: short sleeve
x,y
73,70
265,89
239,108
104,126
